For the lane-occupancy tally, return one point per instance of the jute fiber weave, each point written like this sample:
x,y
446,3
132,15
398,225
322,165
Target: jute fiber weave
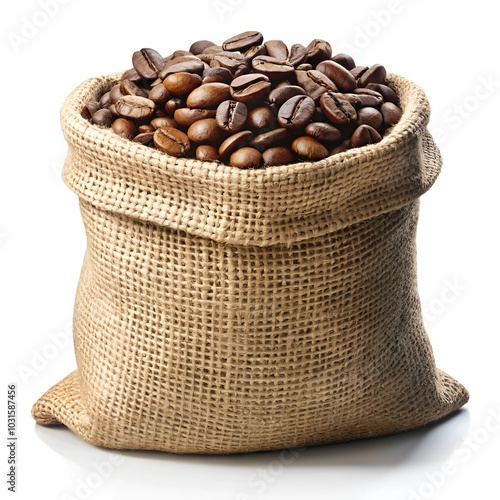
x,y
222,310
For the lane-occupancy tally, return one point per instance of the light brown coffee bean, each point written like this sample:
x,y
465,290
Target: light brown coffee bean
x,y
309,148
277,49
370,116
205,131
135,107
102,117
363,136
233,142
128,87
206,152
261,117
163,121
124,128
185,117
181,84
246,157
278,156
172,141
391,113
146,138
339,75
208,96
159,94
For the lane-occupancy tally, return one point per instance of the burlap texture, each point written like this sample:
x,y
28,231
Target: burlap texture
x,y
222,310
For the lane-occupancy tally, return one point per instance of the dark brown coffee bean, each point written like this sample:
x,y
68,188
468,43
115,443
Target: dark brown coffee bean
x,y
205,131
163,121
297,55
112,108
274,68
296,112
159,94
374,74
135,107
314,83
214,49
175,60
385,91
128,87
208,96
256,50
261,117
357,71
206,152
146,138
391,113
199,46
271,138
102,117
323,132
89,109
249,88
173,104
243,41
317,51
282,93
277,156
132,75
277,49
142,129
233,142
148,63
105,101
339,75
221,75
189,66
309,148
364,135
187,116
370,116
304,67
344,60
115,93
231,116
172,141
246,157
124,128
181,84
232,61
367,98
337,109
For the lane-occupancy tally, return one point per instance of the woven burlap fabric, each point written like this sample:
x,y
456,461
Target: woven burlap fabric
x,y
222,310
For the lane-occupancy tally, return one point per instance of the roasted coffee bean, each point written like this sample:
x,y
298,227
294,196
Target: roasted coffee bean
x,y
233,142
297,55
205,131
182,84
208,96
309,148
142,129
282,93
374,74
385,91
199,46
218,74
132,75
317,51
172,141
246,157
206,152
274,68
185,117
324,132
358,71
105,101
364,135
102,117
89,109
367,97
146,138
271,138
128,87
135,107
277,49
243,41
250,88
304,67
159,94
189,66
337,109
163,121
115,93
256,50
231,116
296,112
370,116
124,128
344,60
339,75
173,104
148,63
232,61
277,156
115,113
214,49
261,117
314,83
391,113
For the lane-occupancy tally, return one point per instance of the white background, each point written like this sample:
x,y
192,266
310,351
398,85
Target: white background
x,y
449,48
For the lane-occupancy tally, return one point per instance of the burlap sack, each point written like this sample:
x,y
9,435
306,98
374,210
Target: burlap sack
x,y
224,310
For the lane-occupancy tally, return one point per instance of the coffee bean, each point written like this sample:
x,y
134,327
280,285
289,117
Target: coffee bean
x,y
358,71
339,75
172,141
185,117
189,66
128,87
271,138
135,107
277,49
296,112
317,51
366,97
199,46
208,96
323,132
233,142
102,117
105,101
214,49
340,148
243,41
163,121
142,129
132,75
370,116
181,84
261,117
314,83
231,116
205,131
173,104
374,74
256,50
146,138
391,113
309,148
115,93
206,152
277,156
246,157
304,67
337,109
218,74
124,128
282,93
344,60
148,63
159,94
232,61
274,68
364,135
297,55
89,109
250,88
385,91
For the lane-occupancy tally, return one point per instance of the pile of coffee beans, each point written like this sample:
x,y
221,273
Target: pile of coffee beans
x,y
249,102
